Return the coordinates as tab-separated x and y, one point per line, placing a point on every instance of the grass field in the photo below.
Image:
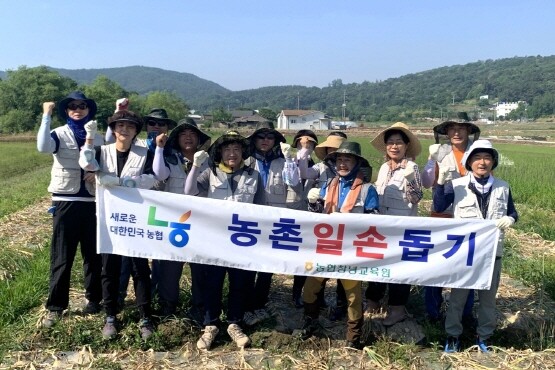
24	176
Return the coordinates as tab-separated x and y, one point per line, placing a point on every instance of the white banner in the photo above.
396	249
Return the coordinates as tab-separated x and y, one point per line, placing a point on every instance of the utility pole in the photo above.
344	106
298	100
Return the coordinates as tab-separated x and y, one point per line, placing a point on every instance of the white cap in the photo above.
477	146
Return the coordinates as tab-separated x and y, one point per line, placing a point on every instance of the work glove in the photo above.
409	173
504	222
313	195
434	151
199	158
107	180
87	160
90	129
141	182
444	175
286	150
121	104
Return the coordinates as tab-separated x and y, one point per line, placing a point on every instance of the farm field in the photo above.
525	338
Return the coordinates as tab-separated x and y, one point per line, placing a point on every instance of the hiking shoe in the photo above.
91	308
51	318
236	333
310	326
205	341
482	346
251	318
452	345
354	344
109	330
146	328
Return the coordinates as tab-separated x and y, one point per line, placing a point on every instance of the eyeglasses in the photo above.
400	143
157	123
267	136
81	106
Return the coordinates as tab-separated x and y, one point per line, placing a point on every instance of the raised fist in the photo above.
90	129
199	158
434	150
121	104
48	107
285	149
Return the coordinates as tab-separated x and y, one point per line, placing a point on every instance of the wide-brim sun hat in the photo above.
351	148
266	128
184	124
76	95
160	114
232	136
413	147
333	141
477	147
460	119
308	133
126	116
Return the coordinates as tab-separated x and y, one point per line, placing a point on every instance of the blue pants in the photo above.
434	299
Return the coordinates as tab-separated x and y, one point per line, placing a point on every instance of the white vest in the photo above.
220	188
446	158
65	177
466	203
133	167
393	198
176	181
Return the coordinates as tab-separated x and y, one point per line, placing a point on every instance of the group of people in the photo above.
260	169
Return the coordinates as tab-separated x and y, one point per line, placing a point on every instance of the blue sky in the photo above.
249	44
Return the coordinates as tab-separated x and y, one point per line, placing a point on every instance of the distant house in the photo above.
241	113
248	121
298	119
502	109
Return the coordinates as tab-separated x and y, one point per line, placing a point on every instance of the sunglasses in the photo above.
267	136
157	123
81	106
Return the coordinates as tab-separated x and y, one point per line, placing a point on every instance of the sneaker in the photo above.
146	328
109	330
91	308
452	345
205	341
482	346
251	318
51	318
310	326
354	344
236	333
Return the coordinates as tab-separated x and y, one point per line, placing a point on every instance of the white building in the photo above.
298	119
502	109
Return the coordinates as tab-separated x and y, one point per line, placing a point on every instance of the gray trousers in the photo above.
487	317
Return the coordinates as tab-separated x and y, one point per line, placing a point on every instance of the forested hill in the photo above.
530	79
147	79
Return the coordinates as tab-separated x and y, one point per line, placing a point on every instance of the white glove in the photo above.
504	222
144	181
199	158
313	195
121	104
87	160
107	180
90	129
286	150
409	173
444	175
434	151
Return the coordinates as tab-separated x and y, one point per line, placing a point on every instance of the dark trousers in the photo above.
168	277
398	293
124	277
259	284
434	299
213	294
198	280
111	272
74	223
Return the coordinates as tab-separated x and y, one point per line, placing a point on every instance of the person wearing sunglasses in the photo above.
271	157
73	204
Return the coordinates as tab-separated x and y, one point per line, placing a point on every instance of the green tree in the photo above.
221	115
268	114
24	91
176	107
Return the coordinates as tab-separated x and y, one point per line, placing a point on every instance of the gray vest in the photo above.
466	203
276	189
220	188
176	181
393	198
65	177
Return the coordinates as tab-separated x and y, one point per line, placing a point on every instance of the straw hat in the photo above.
413	147
332	141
